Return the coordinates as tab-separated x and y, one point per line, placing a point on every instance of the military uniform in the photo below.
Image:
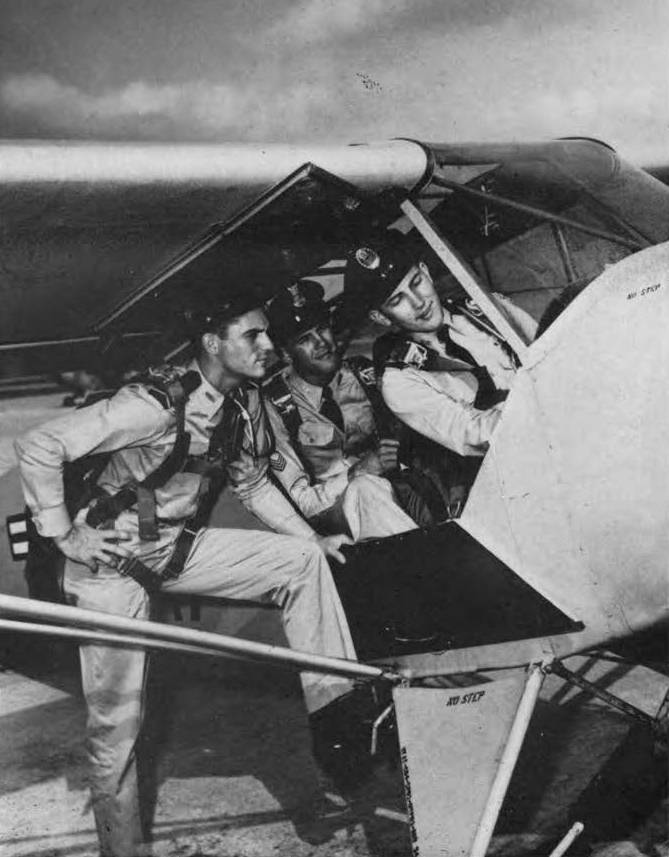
314	468
441	394
139	430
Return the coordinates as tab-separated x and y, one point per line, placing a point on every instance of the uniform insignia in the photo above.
416	355
169	385
368	258
367	375
161	396
296	295
277	461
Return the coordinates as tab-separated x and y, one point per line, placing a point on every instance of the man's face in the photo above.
245	349
314	354
414	305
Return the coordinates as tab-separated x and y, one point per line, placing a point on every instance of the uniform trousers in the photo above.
367	510
290	572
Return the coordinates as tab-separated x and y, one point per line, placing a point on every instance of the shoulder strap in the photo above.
363	369
395	350
281	397
171	387
387	424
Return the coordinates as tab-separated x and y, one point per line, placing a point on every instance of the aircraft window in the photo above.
528	232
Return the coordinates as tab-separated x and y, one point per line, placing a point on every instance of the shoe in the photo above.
318	823
341	738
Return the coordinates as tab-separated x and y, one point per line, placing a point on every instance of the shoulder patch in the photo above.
169	385
277	461
364	369
161	396
394	351
415	355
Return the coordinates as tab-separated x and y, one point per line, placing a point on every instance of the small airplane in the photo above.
562	544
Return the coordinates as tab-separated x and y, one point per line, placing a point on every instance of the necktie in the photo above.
453	349
331	410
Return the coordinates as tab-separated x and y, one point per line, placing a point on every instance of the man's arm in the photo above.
130	418
288	470
436	415
250	481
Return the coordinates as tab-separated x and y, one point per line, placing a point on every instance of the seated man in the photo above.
165	455
442	372
332	453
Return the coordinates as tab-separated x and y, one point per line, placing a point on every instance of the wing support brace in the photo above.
521	721
657	724
466	277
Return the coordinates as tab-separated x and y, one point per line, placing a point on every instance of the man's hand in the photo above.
330	546
381	460
457	494
89	546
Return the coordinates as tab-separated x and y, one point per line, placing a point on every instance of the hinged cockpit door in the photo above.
298	225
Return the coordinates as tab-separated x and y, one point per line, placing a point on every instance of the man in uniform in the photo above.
146	531
443	371
332	452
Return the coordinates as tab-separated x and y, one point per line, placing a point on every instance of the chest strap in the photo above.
279	394
106	508
224	447
394	350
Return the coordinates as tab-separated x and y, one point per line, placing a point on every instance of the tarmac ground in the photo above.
227	768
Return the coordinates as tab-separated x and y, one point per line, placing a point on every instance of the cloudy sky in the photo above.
249	70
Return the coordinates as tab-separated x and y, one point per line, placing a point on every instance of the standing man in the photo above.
332	452
444	372
145	530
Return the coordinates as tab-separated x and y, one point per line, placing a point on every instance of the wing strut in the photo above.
466	277
508	761
108	627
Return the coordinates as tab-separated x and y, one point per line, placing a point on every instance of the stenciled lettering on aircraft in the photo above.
465	699
407	793
647	290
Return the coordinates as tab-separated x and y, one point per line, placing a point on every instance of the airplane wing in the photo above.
90	227
85	225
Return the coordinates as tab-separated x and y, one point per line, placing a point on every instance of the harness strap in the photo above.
108	508
135	568
224	445
387	425
281	397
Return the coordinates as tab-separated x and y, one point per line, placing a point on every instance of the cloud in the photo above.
324	20
198	110
372	69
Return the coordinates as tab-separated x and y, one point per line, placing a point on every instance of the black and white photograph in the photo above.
334	493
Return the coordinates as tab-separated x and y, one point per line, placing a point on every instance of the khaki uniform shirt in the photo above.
440	404
140	432
317	477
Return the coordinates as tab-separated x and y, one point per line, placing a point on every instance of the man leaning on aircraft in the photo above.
164	446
